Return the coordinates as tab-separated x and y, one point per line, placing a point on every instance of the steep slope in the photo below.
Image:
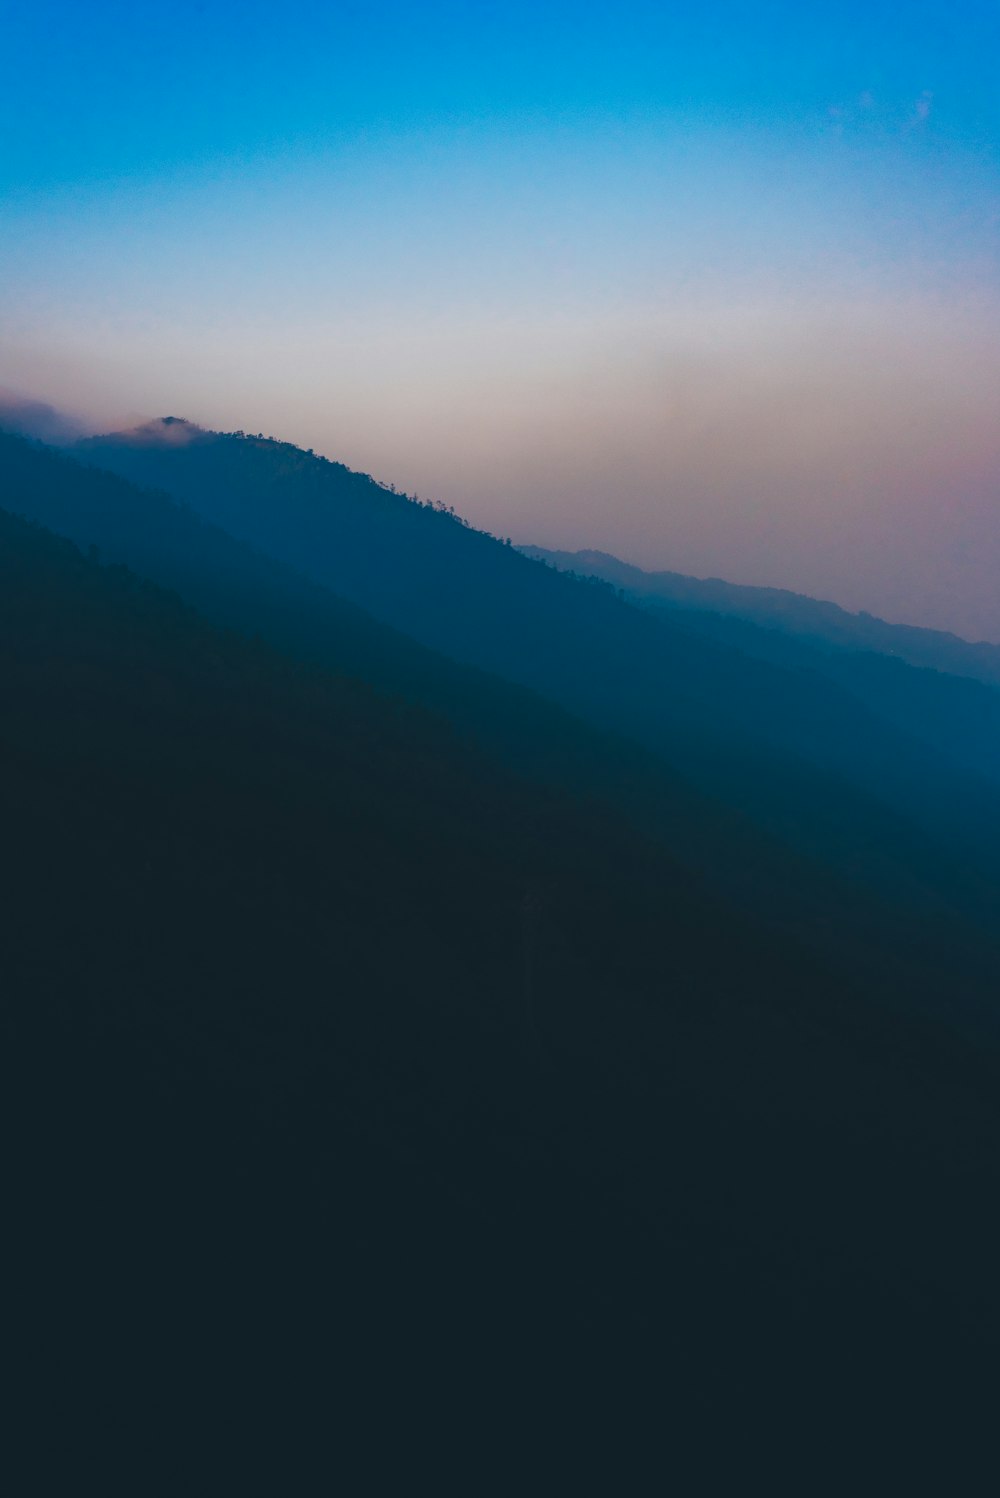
789	749
327	1033
795	614
241	588
119	697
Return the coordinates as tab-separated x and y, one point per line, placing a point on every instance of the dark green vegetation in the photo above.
370	1018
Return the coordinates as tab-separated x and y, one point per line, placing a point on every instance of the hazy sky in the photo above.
712	287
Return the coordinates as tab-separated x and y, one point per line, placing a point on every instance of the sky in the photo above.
713	288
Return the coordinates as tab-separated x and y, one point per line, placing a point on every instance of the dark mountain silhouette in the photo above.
795	614
928	903
328	1037
788	748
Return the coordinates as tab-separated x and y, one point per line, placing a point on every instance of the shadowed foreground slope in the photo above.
335	1052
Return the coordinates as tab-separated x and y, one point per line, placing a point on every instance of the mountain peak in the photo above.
163	431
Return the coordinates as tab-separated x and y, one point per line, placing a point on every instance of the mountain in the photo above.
952	714
240	588
780	610
801	756
926	911
328	1038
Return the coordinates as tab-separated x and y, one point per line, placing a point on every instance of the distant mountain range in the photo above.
933	687
810	619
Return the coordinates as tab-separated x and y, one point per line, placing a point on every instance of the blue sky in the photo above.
100	89
714	287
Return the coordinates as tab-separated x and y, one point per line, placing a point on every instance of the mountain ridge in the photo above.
785	608
723	719
240	588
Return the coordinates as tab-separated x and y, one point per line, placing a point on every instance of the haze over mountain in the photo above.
950	703
791	613
27	417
